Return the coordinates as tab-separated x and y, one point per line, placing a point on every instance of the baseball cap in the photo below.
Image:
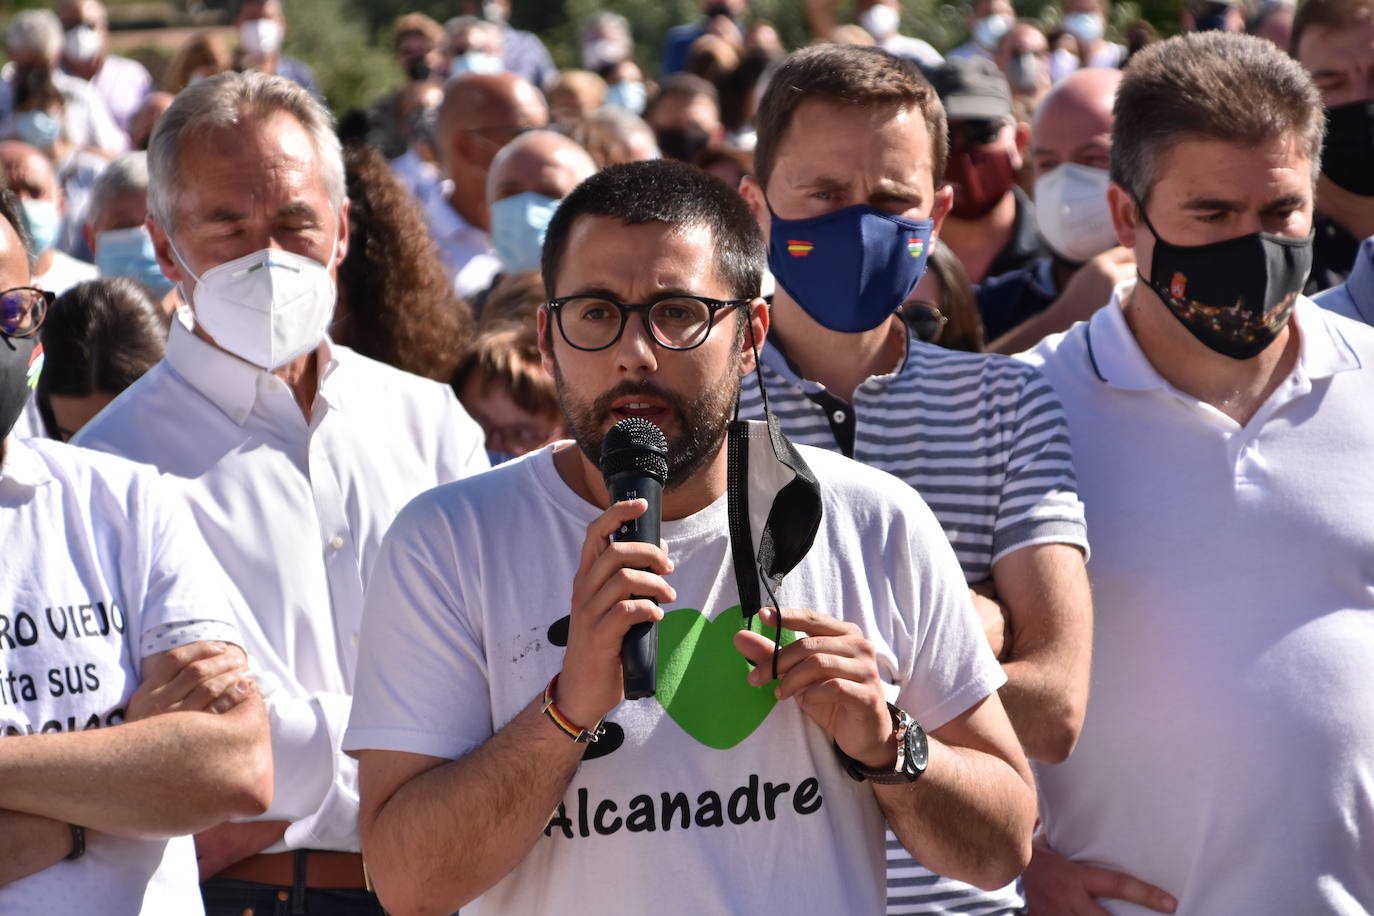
971	89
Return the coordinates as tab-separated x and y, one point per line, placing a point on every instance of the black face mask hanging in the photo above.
1234	296
793	515
1348	150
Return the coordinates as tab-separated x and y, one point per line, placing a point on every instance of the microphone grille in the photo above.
637	446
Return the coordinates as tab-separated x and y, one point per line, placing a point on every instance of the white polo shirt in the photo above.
100	570
295	513
1228	750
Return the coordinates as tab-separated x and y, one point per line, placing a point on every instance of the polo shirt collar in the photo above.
1360	284
1116	357
1323	350
230	383
1118	360
775	360
22	466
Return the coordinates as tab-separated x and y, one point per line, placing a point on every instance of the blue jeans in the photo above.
228	897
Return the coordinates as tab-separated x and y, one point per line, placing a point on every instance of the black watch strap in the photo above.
912	754
78	842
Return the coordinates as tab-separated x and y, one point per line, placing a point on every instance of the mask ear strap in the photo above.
1146	217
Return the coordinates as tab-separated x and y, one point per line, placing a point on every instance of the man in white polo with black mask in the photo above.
1223	434
295	453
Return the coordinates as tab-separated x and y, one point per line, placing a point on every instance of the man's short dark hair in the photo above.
686	85
1187	88
1329	14
863	77
665	191
100	337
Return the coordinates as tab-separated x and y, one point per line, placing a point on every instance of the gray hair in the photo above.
39	31
606	18
225	102
1186	89
127	174
459	23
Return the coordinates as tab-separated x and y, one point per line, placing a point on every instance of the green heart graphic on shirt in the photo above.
702	677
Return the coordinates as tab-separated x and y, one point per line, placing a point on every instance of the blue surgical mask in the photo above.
850	269
988	30
475	62
43	222
629	95
38	128
518	224
129	253
1083	26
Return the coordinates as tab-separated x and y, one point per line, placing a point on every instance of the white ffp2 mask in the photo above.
1072	212
268	307
880	21
261	37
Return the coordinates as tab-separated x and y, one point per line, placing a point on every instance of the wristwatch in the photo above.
912	754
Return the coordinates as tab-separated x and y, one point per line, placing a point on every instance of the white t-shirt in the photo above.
1227	755
710	797
100	571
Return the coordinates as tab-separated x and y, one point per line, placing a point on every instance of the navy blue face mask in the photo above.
850	269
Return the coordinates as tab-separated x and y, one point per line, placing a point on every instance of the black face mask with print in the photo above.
1234	296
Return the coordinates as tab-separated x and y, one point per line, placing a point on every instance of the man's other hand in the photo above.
1056	886
832	671
197	677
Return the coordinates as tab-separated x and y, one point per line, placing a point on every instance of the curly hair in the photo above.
396	302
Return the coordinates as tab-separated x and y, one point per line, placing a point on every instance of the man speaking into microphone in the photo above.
501	767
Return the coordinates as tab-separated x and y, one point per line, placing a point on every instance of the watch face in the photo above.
916	750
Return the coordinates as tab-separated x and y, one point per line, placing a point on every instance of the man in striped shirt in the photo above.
851	151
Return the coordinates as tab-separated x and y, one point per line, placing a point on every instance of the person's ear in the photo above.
341	243
944	202
162	247
544	331
752	192
759	319
1124	214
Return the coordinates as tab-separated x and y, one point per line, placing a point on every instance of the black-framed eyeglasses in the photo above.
674	322
22	310
924	319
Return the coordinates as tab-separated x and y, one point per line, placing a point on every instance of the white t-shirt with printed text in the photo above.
710	797
100	571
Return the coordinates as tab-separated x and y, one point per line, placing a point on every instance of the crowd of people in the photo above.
990	581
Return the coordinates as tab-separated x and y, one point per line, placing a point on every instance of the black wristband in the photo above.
78	842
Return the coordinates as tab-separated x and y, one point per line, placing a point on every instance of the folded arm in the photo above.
164	775
1043	592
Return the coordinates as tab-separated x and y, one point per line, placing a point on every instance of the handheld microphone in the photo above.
634	460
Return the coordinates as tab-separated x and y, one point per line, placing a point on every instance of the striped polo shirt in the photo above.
984	441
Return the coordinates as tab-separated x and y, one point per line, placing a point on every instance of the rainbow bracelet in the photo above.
580	735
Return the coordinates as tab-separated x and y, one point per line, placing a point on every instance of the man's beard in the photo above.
701	421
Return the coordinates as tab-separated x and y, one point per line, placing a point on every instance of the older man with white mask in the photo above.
295	453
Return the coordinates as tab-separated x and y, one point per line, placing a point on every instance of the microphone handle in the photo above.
639	653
